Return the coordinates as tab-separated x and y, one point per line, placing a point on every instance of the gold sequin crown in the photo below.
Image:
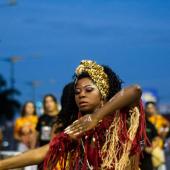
97	74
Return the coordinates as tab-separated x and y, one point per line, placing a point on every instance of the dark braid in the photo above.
69	109
115	83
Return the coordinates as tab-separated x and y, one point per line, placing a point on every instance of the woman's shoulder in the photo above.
19	119
19	122
33	118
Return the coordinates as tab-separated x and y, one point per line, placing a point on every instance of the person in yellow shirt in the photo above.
162	126
24	126
160	122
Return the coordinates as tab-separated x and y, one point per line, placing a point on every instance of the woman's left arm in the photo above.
127	97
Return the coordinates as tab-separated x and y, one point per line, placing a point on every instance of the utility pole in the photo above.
34	84
12	61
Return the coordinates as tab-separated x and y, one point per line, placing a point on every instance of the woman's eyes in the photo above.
87	89
77	91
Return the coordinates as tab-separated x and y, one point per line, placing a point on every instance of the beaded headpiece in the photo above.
97	74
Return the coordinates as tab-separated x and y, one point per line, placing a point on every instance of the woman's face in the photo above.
87	96
151	109
29	109
50	105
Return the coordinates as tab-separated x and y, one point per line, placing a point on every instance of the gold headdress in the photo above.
97	74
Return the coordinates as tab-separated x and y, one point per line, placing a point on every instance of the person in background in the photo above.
68	112
66	116
45	121
146	157
160	122
155	151
24	126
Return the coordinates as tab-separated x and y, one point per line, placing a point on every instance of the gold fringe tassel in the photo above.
116	155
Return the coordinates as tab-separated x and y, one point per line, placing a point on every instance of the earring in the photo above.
102	103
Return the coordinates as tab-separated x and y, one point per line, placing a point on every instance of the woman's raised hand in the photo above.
82	125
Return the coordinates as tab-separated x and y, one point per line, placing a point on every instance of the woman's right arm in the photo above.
31	157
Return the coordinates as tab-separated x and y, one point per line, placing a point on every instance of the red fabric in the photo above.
59	148
141	133
61	145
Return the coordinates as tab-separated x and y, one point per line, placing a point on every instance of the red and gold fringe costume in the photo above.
113	145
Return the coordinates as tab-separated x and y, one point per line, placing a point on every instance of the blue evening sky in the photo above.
52	36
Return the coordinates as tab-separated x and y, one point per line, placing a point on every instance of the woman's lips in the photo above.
81	104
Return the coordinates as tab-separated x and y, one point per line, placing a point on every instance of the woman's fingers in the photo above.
75	129
78	129
75	125
79	126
